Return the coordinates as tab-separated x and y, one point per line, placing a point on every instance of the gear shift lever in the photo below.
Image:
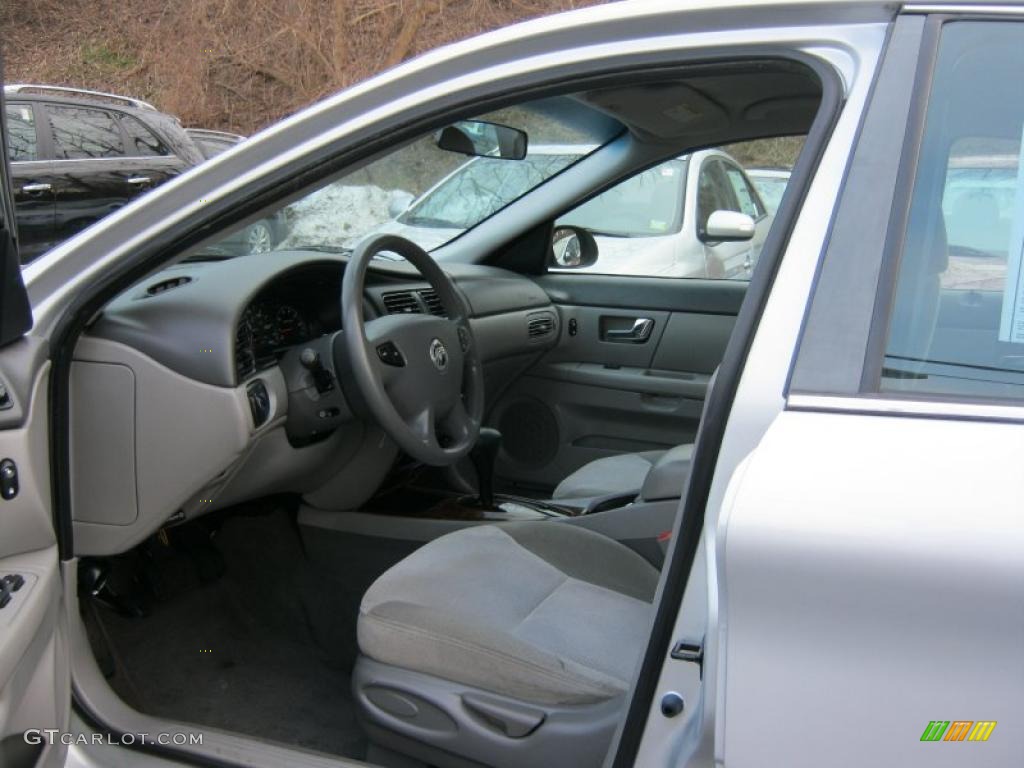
483	456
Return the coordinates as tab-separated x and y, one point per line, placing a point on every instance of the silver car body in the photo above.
860	570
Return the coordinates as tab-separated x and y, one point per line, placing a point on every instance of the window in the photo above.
771	186
211	147
430	195
82	132
957	325
483	186
746	196
652	224
141	141
714	193
649	204
21	133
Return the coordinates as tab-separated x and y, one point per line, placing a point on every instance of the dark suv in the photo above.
78	155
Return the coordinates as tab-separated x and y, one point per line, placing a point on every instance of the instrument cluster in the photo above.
268	327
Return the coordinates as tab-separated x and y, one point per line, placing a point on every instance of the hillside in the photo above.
239	65
236	65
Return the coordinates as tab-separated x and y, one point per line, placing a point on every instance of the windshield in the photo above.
424	193
482	187
646	205
771	189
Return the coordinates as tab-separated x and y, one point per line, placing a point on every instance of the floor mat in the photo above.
241	653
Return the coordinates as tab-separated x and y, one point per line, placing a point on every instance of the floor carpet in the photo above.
265	649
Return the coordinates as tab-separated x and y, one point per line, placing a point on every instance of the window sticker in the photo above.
1011	322
658	226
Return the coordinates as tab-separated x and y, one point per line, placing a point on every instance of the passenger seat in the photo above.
649	476
627	475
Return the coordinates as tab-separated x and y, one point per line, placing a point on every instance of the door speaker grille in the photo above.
530	432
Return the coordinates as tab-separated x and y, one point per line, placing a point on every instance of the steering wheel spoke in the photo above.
422	425
457	425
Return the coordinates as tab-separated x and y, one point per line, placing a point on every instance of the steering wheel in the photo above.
418	375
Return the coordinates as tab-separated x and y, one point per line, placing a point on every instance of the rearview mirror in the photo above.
480	139
728	226
572	248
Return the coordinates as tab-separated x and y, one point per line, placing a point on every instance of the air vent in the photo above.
166	285
245	358
433	302
401	302
540	325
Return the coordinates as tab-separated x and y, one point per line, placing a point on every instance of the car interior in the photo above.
411	507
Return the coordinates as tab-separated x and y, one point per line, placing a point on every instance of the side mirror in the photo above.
572	248
399	202
728	226
479	139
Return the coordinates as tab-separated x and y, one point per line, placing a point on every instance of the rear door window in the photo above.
85	132
22	139
746	196
714	193
141	141
957	324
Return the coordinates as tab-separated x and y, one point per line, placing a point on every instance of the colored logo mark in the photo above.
958	730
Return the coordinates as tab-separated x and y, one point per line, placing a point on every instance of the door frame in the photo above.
688	532
277	182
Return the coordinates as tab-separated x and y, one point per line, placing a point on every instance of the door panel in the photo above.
88	190
31	178
872	574
35	207
603	390
34	675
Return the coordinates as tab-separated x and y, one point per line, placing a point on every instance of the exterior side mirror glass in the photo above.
728	226
572	248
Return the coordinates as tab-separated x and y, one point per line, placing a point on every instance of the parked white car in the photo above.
653	223
771	184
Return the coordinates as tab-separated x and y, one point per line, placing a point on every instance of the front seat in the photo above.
651	475
507	645
621	475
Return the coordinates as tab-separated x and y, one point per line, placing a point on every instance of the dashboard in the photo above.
199	371
223	322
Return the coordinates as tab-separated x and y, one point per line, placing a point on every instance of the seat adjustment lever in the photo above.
512	720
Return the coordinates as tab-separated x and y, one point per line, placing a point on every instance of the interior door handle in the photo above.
33	188
638	334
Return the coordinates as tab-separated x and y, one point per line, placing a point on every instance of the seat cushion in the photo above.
668	476
623	474
544	612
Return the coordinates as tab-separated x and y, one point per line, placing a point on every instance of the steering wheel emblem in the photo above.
439	355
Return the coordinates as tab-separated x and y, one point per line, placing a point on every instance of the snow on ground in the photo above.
337	215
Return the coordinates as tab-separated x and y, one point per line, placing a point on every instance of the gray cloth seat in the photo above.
663	472
542	612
